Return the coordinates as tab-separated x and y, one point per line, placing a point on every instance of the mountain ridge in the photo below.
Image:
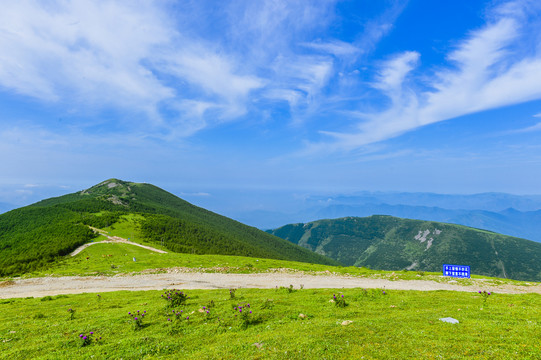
36	235
509	221
389	243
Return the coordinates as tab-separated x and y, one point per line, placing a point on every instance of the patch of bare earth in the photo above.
113	239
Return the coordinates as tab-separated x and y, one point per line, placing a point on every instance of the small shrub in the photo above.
373	293
137	319
268	304
176	321
87	339
206	312
244	314
485	296
232	293
72	313
175	298
288	289
339	301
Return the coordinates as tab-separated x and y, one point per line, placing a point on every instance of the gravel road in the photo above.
39	287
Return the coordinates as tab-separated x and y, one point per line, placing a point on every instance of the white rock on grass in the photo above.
449	320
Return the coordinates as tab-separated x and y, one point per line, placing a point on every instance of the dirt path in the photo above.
39	287
113	239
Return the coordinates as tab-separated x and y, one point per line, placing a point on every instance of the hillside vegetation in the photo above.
34	236
389	243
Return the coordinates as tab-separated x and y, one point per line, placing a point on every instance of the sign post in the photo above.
460	271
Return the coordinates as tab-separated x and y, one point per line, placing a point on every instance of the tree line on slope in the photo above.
34	236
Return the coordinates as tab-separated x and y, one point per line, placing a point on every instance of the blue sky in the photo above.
251	97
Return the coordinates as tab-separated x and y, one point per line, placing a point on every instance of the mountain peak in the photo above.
113	190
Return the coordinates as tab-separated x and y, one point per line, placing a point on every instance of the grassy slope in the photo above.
384	242
34	236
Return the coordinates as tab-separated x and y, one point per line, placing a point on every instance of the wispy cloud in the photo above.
529	129
136	58
87	52
211	64
335	47
485	71
126	55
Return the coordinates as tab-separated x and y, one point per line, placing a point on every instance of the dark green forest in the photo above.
32	237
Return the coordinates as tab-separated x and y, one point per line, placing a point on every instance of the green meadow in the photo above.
284	323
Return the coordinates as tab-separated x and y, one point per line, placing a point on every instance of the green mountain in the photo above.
390	243
35	235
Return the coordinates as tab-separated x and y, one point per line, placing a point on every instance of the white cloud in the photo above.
335	47
300	79
214	74
486	71
291	96
391	77
89	52
280	40
128	55
533	128
185	66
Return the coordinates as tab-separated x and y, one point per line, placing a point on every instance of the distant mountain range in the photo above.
34	236
503	213
390	243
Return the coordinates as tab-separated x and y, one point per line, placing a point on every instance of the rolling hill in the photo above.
34	236
390	243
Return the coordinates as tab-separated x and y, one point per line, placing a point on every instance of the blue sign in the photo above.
461	271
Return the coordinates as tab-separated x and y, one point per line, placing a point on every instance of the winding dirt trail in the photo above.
38	287
112	239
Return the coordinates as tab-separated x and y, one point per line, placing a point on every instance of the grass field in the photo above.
373	325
